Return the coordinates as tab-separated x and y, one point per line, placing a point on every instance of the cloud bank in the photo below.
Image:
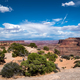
38	31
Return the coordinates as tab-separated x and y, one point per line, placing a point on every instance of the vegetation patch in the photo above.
51	56
77	57
10	69
37	64
33	45
65	57
18	50
2	55
46	48
40	52
56	51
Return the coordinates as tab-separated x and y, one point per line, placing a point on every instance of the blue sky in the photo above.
39	19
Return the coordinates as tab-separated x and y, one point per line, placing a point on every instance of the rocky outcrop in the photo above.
69	46
4	43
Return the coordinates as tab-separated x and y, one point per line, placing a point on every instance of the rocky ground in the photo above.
68	74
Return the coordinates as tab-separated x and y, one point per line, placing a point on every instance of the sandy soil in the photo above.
66	63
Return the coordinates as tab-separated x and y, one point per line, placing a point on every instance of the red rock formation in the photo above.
69	46
4	43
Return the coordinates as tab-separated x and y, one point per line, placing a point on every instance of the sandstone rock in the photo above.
69	46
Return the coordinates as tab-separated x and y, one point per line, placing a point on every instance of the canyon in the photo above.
69	46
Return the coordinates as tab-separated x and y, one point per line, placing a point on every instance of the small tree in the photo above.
4	50
40	52
46	48
2	47
51	56
2	55
37	64
10	69
18	50
56	51
33	45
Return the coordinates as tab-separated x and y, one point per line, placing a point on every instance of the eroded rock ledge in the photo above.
69	46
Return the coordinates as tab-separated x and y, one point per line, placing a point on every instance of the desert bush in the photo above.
77	63
38	49
46	48
10	69
40	52
2	55
56	51
33	45
18	50
37	64
2	47
71	55
51	56
4	50
77	57
66	57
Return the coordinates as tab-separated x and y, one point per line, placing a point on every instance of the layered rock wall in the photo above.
69	46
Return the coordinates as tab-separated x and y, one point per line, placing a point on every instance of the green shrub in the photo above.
2	47
51	56
56	51
66	57
37	64
78	61
10	69
46	48
40	52
77	57
77	64
72	55
2	55
14	55
33	45
4	51
18	50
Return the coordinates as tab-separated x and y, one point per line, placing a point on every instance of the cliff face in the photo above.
69	46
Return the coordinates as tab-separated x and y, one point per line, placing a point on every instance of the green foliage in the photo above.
14	55
33	45
18	50
77	64
78	61
77	57
37	64
66	57
46	48
56	51
10	69
40	52
2	55
2	47
72	55
51	56
4	50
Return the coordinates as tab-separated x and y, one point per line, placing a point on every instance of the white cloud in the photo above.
71	3
4	9
58	19
30	30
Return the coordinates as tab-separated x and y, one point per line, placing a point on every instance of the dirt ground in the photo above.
68	64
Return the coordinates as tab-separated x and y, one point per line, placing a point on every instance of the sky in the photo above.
39	19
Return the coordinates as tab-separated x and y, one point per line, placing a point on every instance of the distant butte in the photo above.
69	46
